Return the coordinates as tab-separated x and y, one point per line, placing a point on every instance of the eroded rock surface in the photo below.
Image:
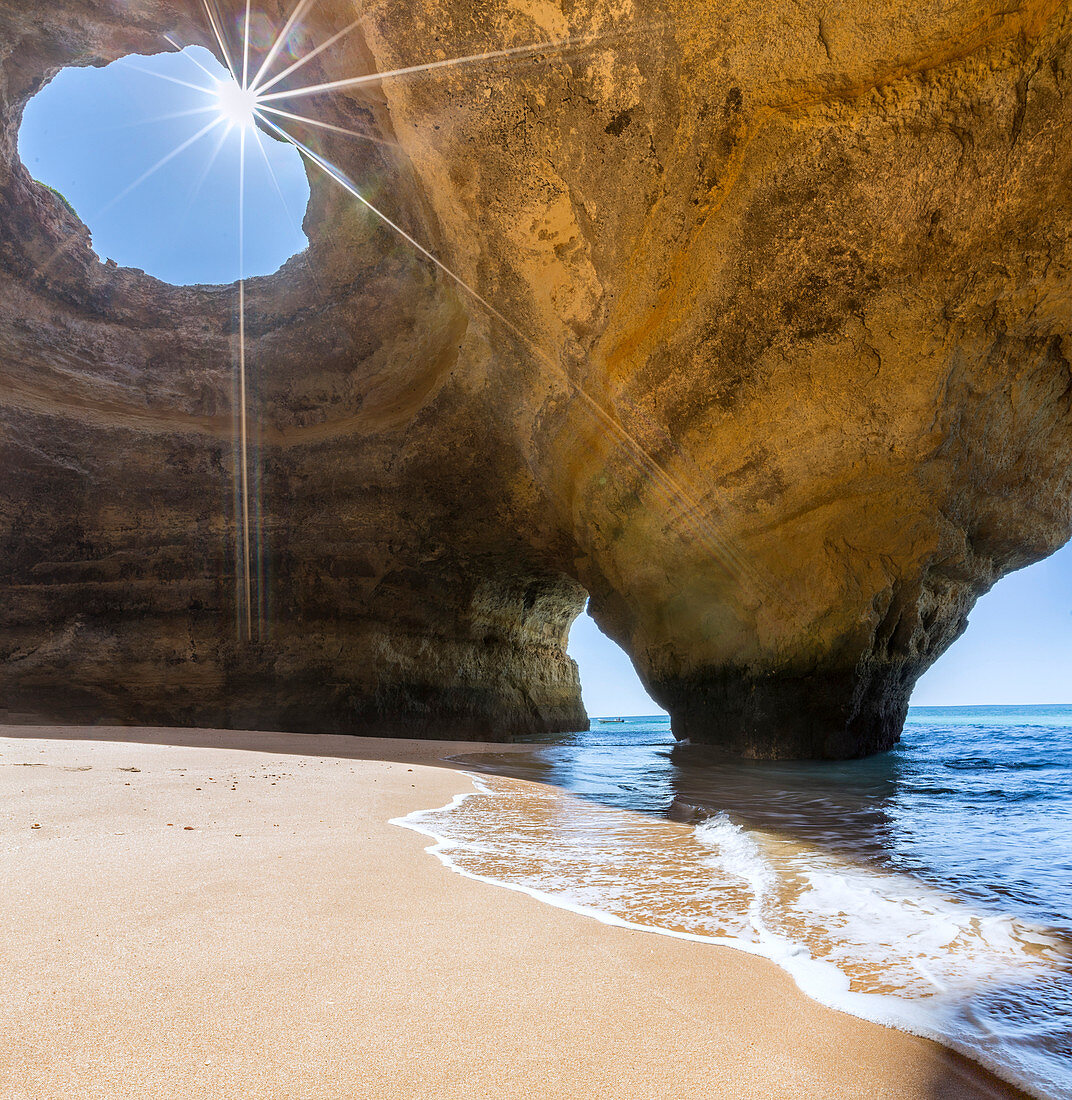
765	346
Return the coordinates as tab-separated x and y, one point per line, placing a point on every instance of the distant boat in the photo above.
610	719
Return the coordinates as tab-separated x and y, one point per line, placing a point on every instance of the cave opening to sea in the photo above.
610	685
151	154
1014	652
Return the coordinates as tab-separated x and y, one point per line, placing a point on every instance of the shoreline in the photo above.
811	976
216	913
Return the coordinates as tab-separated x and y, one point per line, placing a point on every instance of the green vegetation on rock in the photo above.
59	195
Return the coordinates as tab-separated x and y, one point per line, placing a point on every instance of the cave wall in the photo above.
763	343
387	595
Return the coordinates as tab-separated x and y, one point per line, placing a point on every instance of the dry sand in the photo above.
223	915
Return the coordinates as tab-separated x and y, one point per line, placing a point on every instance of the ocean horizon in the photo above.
914	709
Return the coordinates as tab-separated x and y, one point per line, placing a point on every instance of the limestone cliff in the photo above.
765	347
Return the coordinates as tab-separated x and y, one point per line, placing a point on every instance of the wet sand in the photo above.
216	914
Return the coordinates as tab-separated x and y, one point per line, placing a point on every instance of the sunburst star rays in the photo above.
166	159
254	97
511	53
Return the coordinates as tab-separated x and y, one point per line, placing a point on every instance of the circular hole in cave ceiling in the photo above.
95	136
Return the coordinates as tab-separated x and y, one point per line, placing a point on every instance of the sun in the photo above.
237	105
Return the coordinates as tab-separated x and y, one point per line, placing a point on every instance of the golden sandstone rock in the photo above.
776	369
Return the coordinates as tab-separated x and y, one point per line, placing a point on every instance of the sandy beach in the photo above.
193	913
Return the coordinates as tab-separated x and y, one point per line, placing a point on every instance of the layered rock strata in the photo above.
759	337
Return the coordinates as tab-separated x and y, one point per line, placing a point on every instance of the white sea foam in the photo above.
880	945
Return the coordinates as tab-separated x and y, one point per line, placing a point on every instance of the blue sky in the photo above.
93	132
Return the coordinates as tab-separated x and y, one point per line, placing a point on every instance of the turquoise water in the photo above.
929	887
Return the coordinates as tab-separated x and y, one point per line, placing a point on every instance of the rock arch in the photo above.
778	372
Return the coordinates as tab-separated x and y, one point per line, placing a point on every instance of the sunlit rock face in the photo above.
764	346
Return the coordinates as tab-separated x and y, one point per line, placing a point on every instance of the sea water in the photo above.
929	888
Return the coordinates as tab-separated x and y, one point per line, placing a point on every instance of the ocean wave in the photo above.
970	764
880	944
